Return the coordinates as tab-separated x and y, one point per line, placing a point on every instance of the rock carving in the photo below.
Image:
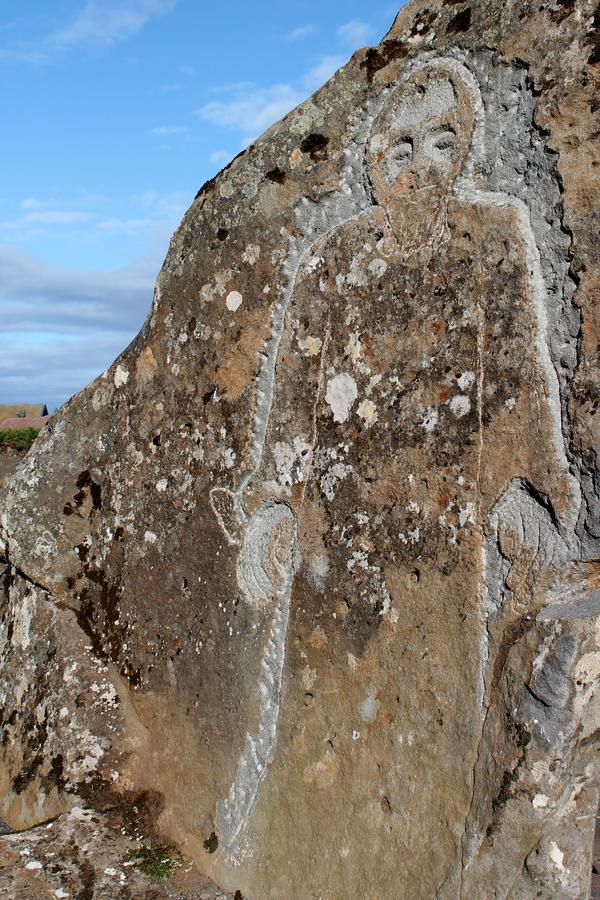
309	577
420	166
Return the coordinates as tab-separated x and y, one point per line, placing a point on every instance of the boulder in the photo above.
310	574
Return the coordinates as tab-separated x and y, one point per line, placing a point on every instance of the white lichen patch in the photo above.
121	377
84	753
251	254
22	621
412	537
318	569
430	419
229	458
292	461
341	394
233	301
295	158
100	397
378	267
45	545
354	348
367	411
540	801
329	480
217	287
162	485
312	263
150	537
587	678
357	276
310	346
465	380
460	405
466	514
370	705
106	693
556	855
374	380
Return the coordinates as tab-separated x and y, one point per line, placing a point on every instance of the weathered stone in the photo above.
311	572
81	854
9	460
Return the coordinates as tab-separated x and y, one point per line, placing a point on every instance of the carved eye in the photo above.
403	149
440	147
444	142
399	157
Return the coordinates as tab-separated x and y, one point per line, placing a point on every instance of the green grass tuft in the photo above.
18	438
159	862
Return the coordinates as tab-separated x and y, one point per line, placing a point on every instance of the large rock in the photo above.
310	572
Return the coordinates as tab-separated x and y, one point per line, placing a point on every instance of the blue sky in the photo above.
114	113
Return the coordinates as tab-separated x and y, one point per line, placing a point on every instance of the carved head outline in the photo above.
423	134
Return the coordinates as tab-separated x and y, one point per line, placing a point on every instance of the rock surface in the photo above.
9	460
310	574
82	855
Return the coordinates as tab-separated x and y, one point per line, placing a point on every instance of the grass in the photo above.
18	438
159	862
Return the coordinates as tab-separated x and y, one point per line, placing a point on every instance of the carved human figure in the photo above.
412	343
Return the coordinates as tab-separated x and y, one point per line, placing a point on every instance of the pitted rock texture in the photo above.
9	460
82	855
311	572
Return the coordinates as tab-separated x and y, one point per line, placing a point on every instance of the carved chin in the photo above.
417	192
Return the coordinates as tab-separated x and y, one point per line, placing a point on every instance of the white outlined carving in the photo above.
267	538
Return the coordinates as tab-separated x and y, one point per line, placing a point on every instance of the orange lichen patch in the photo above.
592	567
145	366
318	639
239	369
444	496
367	342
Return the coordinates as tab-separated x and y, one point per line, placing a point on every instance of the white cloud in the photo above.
253	111
322	72
61	327
298	34
37	296
104	23
157	213
56	217
31	203
355	33
56	368
126	226
35	219
168	130
163	214
167	206
108	23
220	157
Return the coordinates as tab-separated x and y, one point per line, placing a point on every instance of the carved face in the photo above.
421	139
